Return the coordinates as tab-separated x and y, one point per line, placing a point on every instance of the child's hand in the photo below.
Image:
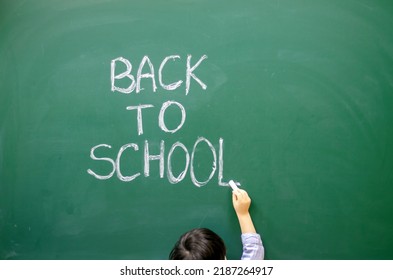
241	201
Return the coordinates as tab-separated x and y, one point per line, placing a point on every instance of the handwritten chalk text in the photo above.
135	83
125	82
164	160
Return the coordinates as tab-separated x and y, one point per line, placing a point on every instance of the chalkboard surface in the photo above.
121	123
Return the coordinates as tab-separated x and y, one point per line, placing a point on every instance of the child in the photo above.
204	244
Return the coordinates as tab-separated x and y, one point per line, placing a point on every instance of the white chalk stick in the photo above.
232	184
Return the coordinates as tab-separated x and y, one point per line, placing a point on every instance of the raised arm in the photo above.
252	243
241	204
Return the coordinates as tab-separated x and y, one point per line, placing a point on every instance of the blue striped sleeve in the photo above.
252	247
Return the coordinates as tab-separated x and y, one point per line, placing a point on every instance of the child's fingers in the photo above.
241	193
244	194
235	196
240	196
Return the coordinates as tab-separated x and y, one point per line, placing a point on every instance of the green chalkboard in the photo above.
122	121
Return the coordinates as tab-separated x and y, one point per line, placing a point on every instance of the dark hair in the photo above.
199	244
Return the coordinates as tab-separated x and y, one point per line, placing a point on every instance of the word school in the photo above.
189	163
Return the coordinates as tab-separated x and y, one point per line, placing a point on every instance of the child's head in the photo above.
199	244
